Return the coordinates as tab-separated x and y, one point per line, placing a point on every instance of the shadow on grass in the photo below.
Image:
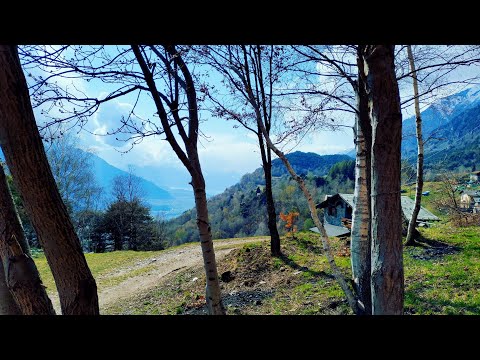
423	305
291	263
307	245
431	249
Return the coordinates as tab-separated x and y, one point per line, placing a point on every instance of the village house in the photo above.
470	201
475	176
339	209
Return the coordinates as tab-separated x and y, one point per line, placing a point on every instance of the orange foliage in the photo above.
290	220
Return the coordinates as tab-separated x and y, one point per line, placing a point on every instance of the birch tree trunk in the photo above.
25	156
418	122
19	270
386	118
360	243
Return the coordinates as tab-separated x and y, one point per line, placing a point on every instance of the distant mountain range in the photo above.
105	173
168	202
240	210
303	163
451	129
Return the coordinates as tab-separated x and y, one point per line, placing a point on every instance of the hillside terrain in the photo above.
441	277
451	128
241	209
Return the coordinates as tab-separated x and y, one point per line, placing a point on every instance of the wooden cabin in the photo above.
339	209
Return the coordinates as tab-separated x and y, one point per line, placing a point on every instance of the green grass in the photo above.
301	279
100	265
448	284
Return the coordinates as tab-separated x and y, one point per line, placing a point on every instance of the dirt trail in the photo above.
159	265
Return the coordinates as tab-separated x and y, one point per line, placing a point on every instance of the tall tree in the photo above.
352	300
336	66
248	107
360	243
387	283
19	271
25	156
159	72
182	77
73	171
418	122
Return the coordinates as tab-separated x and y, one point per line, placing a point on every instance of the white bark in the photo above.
360	239
418	122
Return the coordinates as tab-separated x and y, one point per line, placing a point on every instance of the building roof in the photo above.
407	207
470	192
332	230
423	215
348	198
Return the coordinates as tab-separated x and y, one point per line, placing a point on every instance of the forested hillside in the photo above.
451	128
241	209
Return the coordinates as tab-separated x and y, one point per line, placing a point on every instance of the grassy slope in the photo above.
300	282
103	266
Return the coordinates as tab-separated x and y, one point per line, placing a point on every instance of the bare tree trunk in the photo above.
214	298
360	243
19	271
386	117
192	164
419	189
352	301
272	215
8	306
26	159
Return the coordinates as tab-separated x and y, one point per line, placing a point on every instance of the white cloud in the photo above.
230	153
328	142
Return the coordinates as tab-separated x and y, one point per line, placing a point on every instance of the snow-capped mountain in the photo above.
451	129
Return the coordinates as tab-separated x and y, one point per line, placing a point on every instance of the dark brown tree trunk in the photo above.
386	118
418	121
27	161
272	215
21	274
360	243
8	306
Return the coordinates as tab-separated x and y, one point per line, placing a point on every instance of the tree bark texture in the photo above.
386	118
360	243
271	213
21	274
418	122
213	293
27	161
8	306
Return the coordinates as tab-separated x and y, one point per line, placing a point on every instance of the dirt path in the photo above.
153	269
